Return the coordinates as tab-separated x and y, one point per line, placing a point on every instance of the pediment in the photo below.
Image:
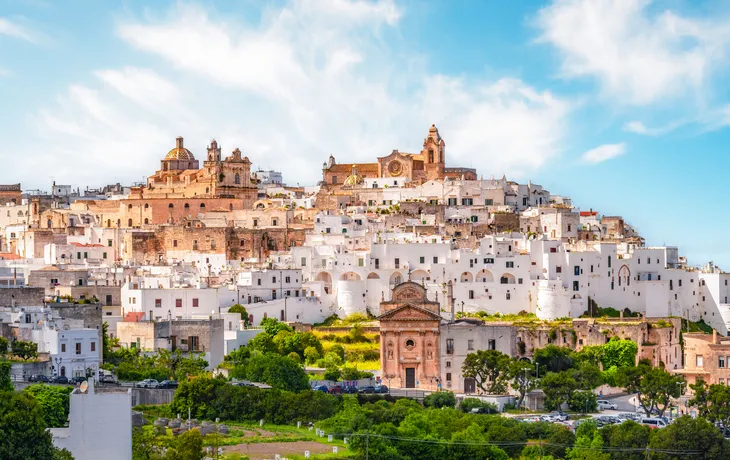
409	313
409	292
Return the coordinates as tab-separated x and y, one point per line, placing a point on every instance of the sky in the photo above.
621	105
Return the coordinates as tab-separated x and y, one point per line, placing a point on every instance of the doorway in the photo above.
469	385
410	377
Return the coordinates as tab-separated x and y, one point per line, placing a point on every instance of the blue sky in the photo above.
621	105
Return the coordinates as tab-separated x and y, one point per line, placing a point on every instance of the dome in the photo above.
353	179
179	152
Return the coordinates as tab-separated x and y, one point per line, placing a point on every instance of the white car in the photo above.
603	405
147	383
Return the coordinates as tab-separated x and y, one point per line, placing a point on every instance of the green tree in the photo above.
587	376
558	387
24	435
54	402
698	437
583	401
522	378
4	347
467	405
554	359
700	390
440	399
628	435
238	308
187	446
337	350
332	373
654	386
6	382
273	326
25	350
311	355
276	370
489	369
144	444
619	353
718	410
588	448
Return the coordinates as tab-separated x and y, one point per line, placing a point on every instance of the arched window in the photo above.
171	206
129	207
187	206
230	207
50	224
410	343
146	205
430	155
202	205
129	223
237	179
146	221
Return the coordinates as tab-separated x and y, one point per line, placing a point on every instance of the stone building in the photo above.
409	338
10	194
706	356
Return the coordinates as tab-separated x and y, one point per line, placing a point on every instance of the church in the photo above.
427	165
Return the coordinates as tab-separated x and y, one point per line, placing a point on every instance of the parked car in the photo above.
322	388
76	380
107	378
653	422
367	389
559	416
382	389
39	378
603	405
60	379
167	384
335	390
147	383
350	390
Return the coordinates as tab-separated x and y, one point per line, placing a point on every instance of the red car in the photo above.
335	390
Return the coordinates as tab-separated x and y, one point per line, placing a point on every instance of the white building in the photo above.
100	425
77	353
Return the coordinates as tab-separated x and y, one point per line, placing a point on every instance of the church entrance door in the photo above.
410	377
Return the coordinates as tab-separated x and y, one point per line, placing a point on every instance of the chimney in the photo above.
450	300
179	142
714	336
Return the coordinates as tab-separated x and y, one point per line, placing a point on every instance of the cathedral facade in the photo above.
427	165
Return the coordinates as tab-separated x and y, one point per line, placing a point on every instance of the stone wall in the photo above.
505	221
21	296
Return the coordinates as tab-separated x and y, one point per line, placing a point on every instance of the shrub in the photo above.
440	399
311	355
583	401
468	404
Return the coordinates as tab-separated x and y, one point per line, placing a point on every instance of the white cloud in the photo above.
311	79
604	152
639	57
637	127
14	30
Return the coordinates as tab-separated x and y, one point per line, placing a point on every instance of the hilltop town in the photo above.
431	263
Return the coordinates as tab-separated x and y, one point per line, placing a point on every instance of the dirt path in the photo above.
265	451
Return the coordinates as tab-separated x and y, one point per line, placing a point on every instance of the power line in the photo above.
368	435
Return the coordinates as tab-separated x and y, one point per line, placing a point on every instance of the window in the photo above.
508	296
212	244
104	255
576	270
679	283
470	344
195	245
489	202
255	222
422	260
196	303
287	279
609	261
575	285
509	264
258	282
93	346
519	280
721	362
471	295
158	303
489	260
648	260
303	262
109	243
569	227
448	363
273	279
397	262
492	344
449	346
448	376
78	348
435	260
178	303
698	361
410	343
63	348
558	269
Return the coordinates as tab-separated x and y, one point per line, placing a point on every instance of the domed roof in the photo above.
179	152
353	179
